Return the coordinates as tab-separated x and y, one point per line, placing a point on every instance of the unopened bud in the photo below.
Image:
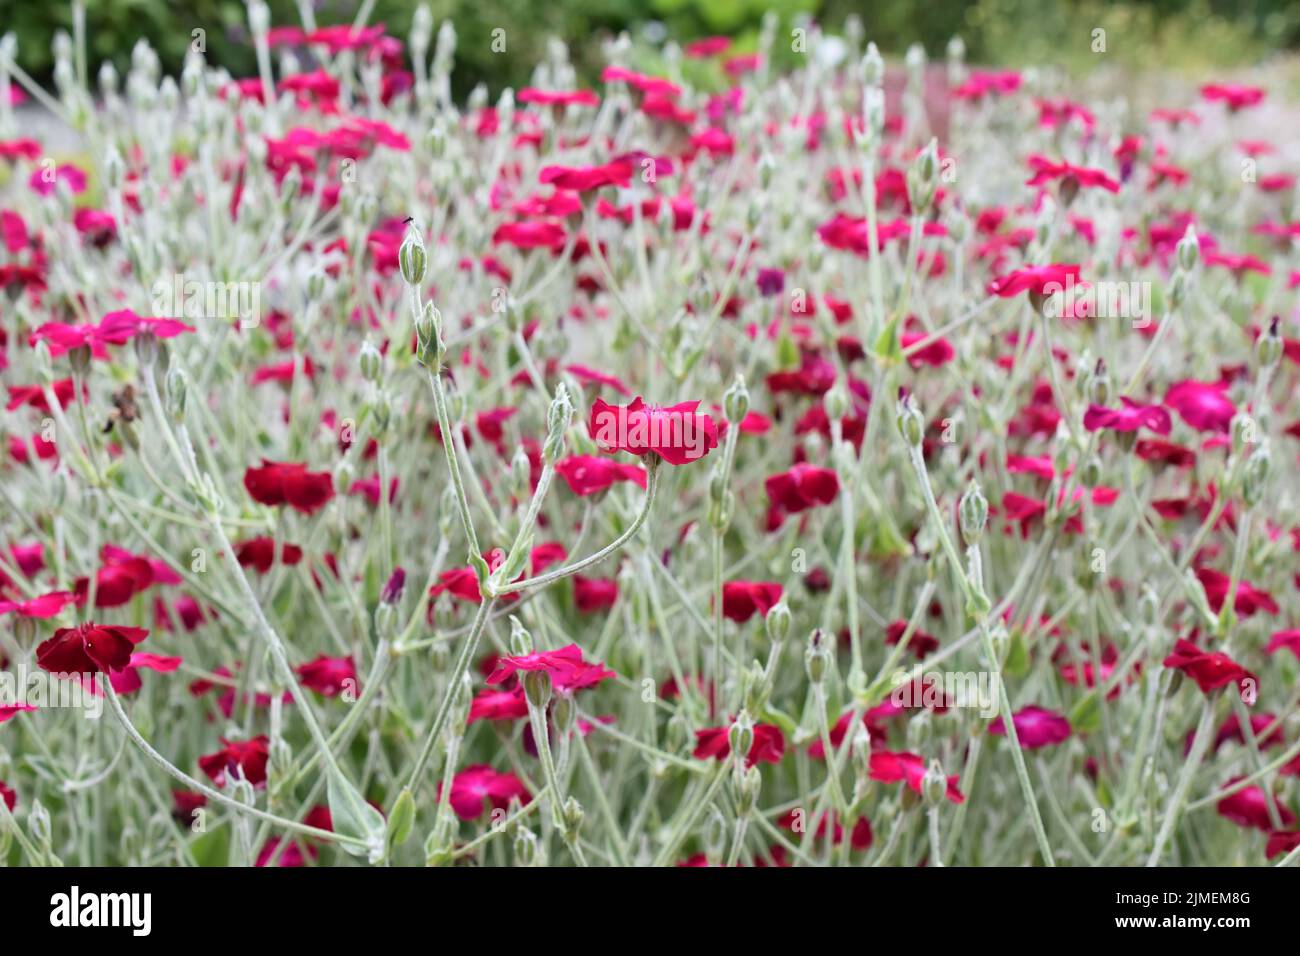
735	402
1189	250
412	257
740	736
1268	350
778	622
973	513
934	784
369	361
911	425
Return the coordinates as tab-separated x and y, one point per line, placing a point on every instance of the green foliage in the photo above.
1171	33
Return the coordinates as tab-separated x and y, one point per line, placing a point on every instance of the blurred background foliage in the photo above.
1167	34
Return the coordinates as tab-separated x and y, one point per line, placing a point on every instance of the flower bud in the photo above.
910	423
572	815
1189	250
1178	288
973	513
817	656
537	688
369	361
428	337
393	588
740	736
836	402
777	622
176	391
558	417
934	785
521	642
525	847
1099	387
1090	472
873	66
748	790
1254	482
412	257
735	401
1268	350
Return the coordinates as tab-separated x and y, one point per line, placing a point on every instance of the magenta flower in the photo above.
1203	405
1128	418
1035	727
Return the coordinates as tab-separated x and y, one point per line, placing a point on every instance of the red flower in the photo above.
887	766
8	796
1280	842
569	672
1035	727
586	178
594	594
10	711
920	643
709	46
1210	669
1038	280
115	328
498	705
1071	176
1249	600
677	434
587	474
1236	97
278	483
1288	639
329	676
1248	807
89	648
715	743
42	607
475	785
1128	418
531	234
804	486
127	680
741	600
530	94
1203	405
248	756
259	553
585	374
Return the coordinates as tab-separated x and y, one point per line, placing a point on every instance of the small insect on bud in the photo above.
1189	250
740	736
1254	482
817	656
735	401
369	361
911	425
934	785
412	257
1268	349
973	513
